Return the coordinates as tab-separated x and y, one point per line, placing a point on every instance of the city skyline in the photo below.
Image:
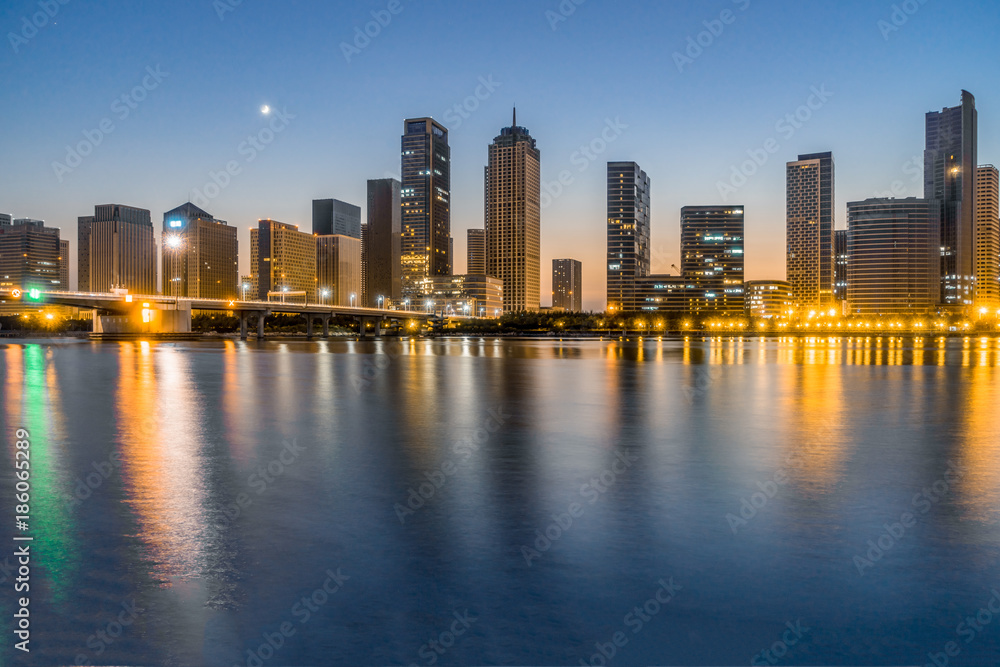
688	147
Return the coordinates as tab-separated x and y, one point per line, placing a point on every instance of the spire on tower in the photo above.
515	116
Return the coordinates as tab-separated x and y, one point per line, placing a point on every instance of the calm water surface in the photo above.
513	502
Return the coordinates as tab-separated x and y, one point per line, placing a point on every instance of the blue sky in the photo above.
688	125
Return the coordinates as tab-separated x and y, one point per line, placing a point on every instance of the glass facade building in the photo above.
199	255
426	203
712	243
628	234
116	248
381	268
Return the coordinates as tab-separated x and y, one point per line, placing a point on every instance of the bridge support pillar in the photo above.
243	325
378	327
326	326
261	316
309	326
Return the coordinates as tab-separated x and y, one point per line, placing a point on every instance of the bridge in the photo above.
122	313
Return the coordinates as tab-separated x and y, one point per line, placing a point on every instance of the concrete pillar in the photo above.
309	325
261	316
326	326
243	325
378	327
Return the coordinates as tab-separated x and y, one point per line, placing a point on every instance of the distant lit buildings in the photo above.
513	217
116	248
987	237
628	234
381	260
769	299
332	216
949	178
567	285
64	266
200	255
31	256
840	267
475	252
809	229
712	243
666	294
472	295
282	259
338	270
426	203
893	248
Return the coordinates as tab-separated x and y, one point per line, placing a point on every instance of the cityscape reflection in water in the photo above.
540	489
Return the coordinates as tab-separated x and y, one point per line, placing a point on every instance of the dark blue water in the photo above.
457	502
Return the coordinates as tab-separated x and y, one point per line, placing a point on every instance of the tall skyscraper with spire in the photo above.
426	203
513	217
950	178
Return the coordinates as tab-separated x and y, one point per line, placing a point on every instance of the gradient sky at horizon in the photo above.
608	60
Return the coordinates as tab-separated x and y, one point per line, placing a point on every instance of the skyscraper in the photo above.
116	247
282	259
332	216
426	202
894	252
841	263
200	255
381	260
567	285
64	266
949	177
338	270
513	217
627	234
987	238
809	229
31	256
476	252
712	243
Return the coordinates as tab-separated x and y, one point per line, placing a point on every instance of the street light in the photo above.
246	287
381	299
173	243
324	293
353	295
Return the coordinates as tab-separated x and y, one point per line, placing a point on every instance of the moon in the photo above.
265	109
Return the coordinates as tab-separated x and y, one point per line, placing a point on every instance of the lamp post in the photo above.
353	295
324	294
246	288
381	300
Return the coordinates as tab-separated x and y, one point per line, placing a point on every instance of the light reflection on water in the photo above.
859	425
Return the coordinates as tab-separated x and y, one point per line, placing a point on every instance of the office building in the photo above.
472	295
332	216
809	229
475	253
282	260
338	270
513	217
426	203
200	255
5	219
381	252
667	294
894	256
64	266
987	238
949	178
769	299
841	263
567	285
628	233
712	242
116	248
31	256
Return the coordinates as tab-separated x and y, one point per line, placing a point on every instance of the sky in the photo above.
163	96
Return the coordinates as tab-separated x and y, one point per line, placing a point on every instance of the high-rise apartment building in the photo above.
513	217
426	203
628	234
31	256
894	256
712	244
382	247
116	247
64	266
199	255
987	238
338	270
841	264
5	219
475	253
282	259
567	285
809	229
949	177
332	216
